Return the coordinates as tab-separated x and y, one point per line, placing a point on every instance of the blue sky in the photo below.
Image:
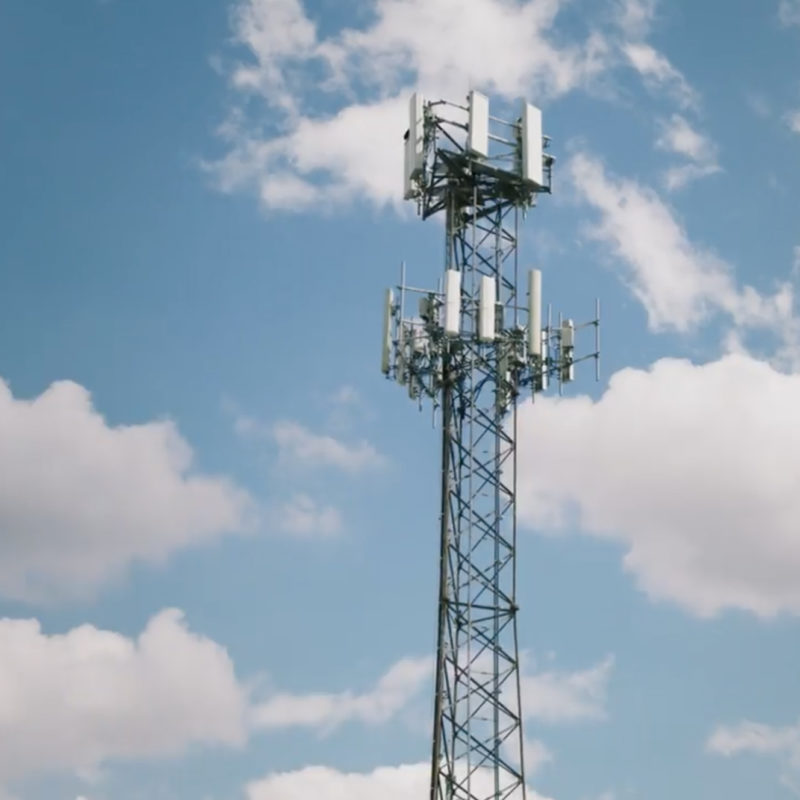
218	544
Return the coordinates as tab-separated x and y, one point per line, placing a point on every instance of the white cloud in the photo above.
679	283
754	738
323	162
693	468
789	12
81	500
362	76
305	517
567	696
72	701
680	176
793	121
659	74
548	696
347	410
275	32
327	711
346	396
338	103
300	445
405	782
679	137
402	45
518	55
635	17
324	159
536	755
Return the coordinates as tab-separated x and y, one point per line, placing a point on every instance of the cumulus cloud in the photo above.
692	467
757	738
297	512
781	743
81	500
635	17
659	74
679	283
277	33
405	782
306	518
554	696
548	696
536	755
793	121
327	711
519	54
402	44
72	701
324	158
679	137
336	103
299	445
789	12
323	161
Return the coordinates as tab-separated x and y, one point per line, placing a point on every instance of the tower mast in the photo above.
471	349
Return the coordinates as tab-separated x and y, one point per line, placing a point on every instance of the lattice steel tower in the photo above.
470	347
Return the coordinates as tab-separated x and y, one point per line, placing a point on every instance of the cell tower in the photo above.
471	346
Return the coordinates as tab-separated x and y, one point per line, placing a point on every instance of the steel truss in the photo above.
477	714
477	751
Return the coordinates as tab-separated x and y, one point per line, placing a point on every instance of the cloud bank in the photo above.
75	700
692	468
80	500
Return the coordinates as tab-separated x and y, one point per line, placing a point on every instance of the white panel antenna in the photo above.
387	332
568	334
478	138
532	163
544	378
567	350
400	372
415	145
452	302
535	313
487	305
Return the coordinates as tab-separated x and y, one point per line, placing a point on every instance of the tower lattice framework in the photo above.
477	714
474	345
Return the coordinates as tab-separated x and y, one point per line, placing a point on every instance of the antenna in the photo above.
386	348
452	302
473	349
487	310
535	313
478	131
415	145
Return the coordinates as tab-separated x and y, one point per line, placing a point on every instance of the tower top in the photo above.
464	154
